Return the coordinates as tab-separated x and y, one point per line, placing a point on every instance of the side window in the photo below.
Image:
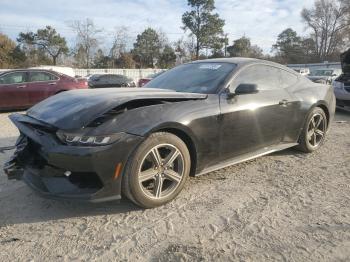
120	79
104	78
265	77
287	79
13	78
41	77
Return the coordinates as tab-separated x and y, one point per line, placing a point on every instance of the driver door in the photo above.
14	90
250	122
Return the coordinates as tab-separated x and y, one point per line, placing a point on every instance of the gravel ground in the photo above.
285	206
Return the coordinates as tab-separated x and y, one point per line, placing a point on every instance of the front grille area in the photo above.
29	155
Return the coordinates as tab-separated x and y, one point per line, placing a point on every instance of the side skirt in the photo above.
246	157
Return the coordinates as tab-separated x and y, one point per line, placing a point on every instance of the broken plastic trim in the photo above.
6	148
134	104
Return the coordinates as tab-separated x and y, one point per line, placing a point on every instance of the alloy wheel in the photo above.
316	130
161	171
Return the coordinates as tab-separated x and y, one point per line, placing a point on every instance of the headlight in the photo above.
338	85
83	140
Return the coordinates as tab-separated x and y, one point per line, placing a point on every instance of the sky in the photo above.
260	20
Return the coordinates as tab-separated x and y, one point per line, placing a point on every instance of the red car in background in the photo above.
145	80
20	89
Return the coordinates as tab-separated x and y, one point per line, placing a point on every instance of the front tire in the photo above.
314	131
157	171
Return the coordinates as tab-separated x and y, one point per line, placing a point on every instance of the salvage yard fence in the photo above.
135	74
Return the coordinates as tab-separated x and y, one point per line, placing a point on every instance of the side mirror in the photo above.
244	89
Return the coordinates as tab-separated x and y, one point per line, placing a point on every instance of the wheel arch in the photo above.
326	111
184	134
323	105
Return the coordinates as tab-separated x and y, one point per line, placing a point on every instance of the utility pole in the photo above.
226	43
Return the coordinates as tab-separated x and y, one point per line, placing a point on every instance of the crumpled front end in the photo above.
91	173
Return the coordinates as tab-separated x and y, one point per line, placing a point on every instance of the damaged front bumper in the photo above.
67	172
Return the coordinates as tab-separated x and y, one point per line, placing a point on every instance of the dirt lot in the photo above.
285	206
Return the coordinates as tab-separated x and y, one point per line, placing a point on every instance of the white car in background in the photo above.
59	69
341	85
302	71
324	75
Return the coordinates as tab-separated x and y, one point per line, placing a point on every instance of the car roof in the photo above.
99	75
32	70
243	61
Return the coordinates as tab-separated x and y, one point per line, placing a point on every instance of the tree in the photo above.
219	48
329	21
203	24
79	56
125	61
6	47
87	42
147	48
289	47
167	58
242	47
100	60
120	42
18	57
48	40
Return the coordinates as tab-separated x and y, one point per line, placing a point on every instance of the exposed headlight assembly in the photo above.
83	140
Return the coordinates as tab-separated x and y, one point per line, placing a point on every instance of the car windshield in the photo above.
204	77
323	72
95	77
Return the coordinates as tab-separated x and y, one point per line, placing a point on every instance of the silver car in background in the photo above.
324	75
341	85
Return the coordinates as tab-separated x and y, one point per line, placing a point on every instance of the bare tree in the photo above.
121	42
329	21
87	39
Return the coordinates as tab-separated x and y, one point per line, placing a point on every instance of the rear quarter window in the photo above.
41	77
287	79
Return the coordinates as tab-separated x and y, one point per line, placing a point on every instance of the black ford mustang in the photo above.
144	143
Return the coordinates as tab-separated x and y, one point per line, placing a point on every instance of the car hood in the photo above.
77	108
345	62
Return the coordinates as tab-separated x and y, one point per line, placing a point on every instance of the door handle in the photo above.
52	84
283	102
23	86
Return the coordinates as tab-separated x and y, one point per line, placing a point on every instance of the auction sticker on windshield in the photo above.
210	66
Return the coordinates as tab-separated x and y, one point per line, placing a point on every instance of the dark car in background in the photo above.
20	89
144	143
145	80
110	80
342	84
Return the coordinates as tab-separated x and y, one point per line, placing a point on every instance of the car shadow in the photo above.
289	152
25	206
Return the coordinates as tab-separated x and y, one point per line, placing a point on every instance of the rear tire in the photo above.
157	171
314	131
